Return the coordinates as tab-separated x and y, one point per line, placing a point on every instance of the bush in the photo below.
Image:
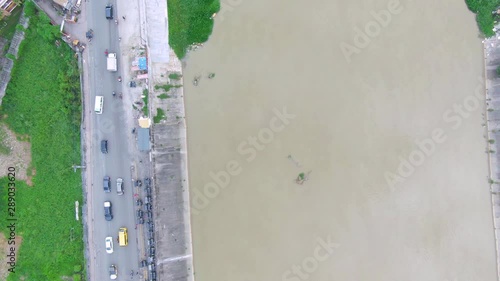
160	115
190	22
163	96
77	268
174	76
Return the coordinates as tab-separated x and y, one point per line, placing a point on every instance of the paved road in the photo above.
111	126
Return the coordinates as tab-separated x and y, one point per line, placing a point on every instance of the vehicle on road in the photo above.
104	146
108	214
112	66
123	237
113	273
109	11
109	245
147	182
119	186
106	183
99	100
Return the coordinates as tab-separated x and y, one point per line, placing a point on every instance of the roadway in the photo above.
110	125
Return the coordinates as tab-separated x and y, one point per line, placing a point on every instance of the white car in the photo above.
119	186
109	245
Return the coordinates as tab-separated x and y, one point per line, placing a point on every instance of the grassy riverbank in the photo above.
189	22
42	104
484	16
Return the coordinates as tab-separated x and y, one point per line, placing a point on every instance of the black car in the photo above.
138	202
109	12
147	182
104	146
107	184
108	214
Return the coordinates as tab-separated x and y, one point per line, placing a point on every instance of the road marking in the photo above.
174	259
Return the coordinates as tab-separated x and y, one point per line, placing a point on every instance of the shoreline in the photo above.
490	135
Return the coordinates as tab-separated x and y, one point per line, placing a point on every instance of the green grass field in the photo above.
189	23
43	102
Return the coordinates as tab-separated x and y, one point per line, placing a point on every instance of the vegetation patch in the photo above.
190	22
145	98
8	24
160	115
43	101
164	96
175	76
166	87
485	17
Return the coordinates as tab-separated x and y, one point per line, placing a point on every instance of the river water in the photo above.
378	105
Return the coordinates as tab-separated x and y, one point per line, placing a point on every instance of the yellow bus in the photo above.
123	237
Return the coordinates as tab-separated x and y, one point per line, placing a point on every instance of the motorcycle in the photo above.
114	94
119	79
106	52
116	21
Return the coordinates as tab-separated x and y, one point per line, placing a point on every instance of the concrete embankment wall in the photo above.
172	210
492	125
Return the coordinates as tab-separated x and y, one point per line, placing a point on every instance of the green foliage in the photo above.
9	24
77	277
174	76
498	70
491	141
166	87
145	99
29	9
77	268
164	96
160	115
484	17
190	23
10	56
474	5
37	104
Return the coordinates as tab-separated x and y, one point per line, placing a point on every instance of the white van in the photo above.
98	104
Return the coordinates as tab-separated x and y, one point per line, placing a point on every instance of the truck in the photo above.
112	62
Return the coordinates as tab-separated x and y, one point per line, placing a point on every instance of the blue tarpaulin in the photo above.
143	139
142	64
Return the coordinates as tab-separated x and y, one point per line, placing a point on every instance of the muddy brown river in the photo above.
339	140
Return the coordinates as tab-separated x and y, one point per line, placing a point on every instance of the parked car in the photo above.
119	186
106	184
109	245
113	273
147	182
108	215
